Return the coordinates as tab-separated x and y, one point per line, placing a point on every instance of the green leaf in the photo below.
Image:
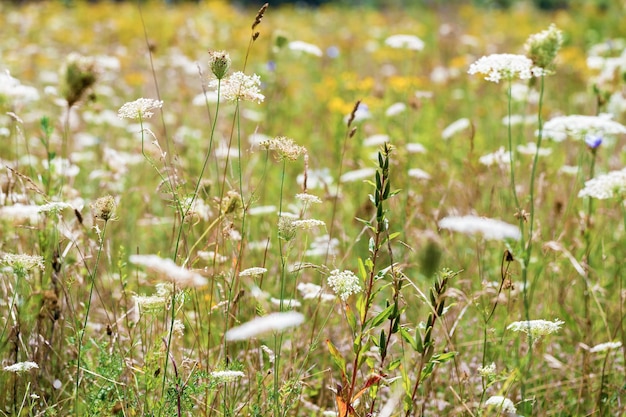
394	364
337	358
404	333
382	316
351	318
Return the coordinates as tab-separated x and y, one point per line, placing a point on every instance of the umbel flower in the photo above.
536	329
219	62
542	47
605	186
579	126
240	86
21	367
502	403
344	283
496	67
78	75
142	108
104	208
490	229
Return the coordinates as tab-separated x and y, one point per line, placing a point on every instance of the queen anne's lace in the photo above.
496	67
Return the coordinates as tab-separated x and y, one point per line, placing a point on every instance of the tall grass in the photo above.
361	230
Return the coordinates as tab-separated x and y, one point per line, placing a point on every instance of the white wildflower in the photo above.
536	328
530	148
605	186
239	86
344	283
260	210
226	376
490	229
271	356
316	178
376	140
415	148
578	127
260	325
321	245
168	268
308	198
22	262
12	89
418	174
487	371
211	256
603	347
285	147
20	213
286	302
455	127
141	108
178	328
307	48
502	403
310	291
253	272
308	224
21	367
395	109
411	42
496	67
357	175
501	157
149	303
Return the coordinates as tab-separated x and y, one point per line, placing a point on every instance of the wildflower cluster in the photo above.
344	283
498	67
605	186
542	47
286	148
490	229
240	87
142	108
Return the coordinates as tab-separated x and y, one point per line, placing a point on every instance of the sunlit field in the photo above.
207	210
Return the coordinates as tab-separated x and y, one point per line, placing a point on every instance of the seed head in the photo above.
219	62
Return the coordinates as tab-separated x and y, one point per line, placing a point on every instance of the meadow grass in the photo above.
358	226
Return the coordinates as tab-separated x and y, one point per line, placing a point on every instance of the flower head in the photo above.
219	62
411	42
455	127
226	376
593	141
579	127
344	283
253	272
603	347
490	229
536	328
260	325
79	74
285	147
104	208
21	263
168	268
496	67
542	47
500	157
605	186
502	403
141	108
239	86
21	367
305	47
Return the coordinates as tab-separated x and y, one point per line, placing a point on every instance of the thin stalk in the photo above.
92	278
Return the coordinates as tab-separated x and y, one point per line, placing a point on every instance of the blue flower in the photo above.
593	141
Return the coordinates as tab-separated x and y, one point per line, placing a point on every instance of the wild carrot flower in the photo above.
505	66
285	147
142	108
500	158
307	48
502	403
239	86
309	291
252	272
307	198
79	74
308	224
22	263
542	47
357	175
54	208
219	62
605	186
104	208
455	127
490	229
226	376
344	283
20	367
411	42
536	328
12	90
578	126
168	268
603	347
260	325
530	148
488	371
